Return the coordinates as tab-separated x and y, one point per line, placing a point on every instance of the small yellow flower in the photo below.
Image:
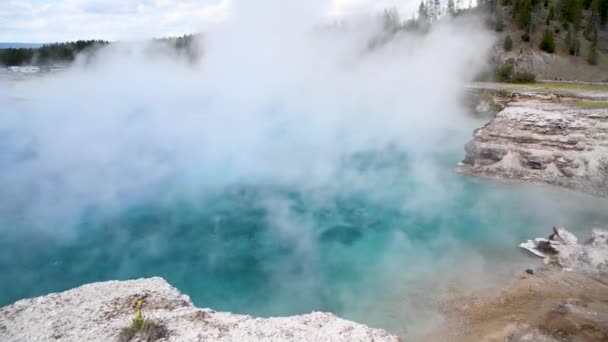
140	302
138	314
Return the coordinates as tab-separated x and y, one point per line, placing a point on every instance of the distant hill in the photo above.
552	39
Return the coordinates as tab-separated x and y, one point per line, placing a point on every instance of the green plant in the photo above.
524	77
592	104
144	329
505	71
547	43
508	43
572	42
551	14
592	55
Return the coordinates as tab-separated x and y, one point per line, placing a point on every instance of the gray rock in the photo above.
543	141
562	248
98	312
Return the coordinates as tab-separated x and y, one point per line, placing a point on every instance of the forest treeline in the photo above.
48	53
63	53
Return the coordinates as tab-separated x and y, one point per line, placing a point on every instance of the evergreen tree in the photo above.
571	11
391	20
551	15
499	23
437	7
508	43
589	30
423	13
547	43
586	4
592	54
602	8
522	10
572	42
451	9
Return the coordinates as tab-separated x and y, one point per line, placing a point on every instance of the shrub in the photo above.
505	71
508	43
143	329
525	37
524	77
547	43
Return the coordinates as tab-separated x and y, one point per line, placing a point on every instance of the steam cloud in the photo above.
278	98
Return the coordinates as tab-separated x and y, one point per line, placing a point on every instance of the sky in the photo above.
43	21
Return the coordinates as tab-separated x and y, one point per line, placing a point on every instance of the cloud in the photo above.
62	20
352	7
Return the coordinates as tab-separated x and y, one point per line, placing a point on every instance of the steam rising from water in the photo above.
276	98
293	169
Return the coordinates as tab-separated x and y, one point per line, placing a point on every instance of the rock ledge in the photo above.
98	311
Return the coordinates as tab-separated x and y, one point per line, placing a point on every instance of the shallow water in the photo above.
379	251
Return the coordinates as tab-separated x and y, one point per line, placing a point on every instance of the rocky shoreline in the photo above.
107	312
546	136
565	300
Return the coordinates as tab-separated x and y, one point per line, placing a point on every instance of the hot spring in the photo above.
312	175
373	244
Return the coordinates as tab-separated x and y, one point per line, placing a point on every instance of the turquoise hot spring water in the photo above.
378	252
377	232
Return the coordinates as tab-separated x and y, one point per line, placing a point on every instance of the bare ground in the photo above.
544	306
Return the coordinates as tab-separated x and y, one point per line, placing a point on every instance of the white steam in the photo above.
277	98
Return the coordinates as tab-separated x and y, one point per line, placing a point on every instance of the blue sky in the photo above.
41	21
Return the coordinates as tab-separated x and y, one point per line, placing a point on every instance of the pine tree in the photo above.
391	20
572	42
423	13
499	24
508	43
437	7
589	30
603	11
571	11
522	10
592	54
451	10
551	15
547	43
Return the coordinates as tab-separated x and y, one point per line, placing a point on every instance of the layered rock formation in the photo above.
547	138
101	311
